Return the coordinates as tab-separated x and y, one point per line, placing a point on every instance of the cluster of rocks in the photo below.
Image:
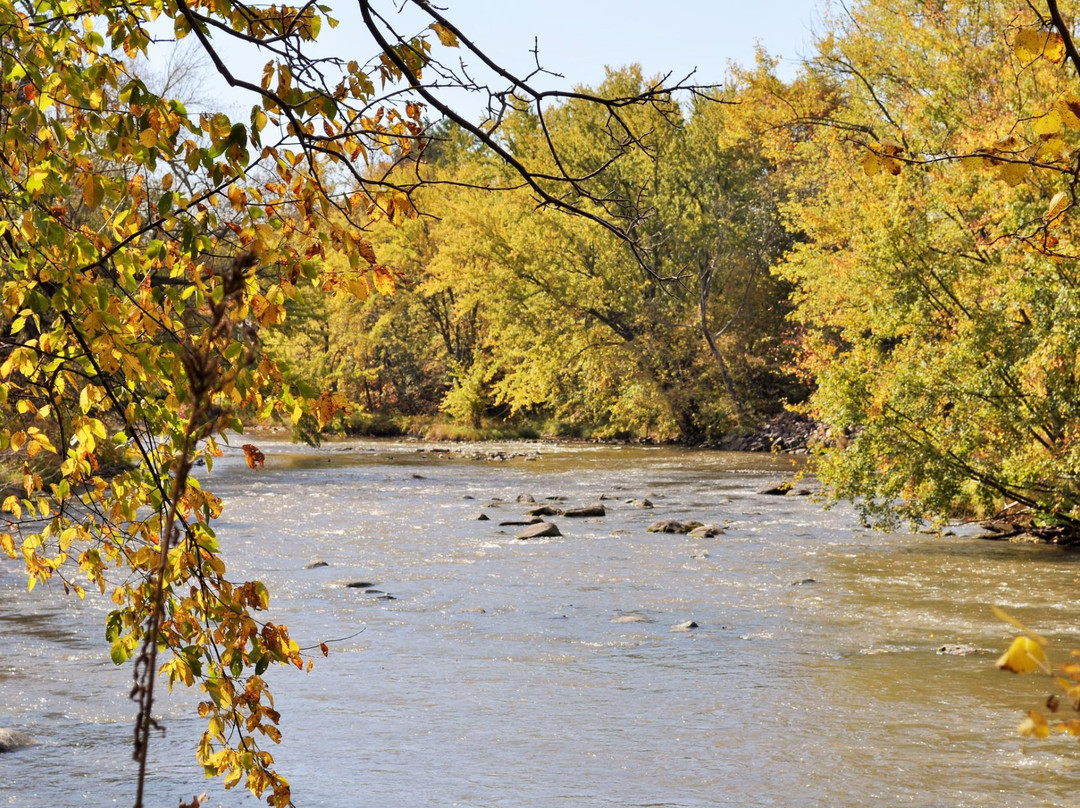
1021	528
488	455
699	530
789	432
364	587
534	524
784	489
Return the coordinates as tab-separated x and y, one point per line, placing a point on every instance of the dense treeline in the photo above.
506	311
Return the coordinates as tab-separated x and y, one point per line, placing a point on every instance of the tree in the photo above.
144	250
931	152
539	315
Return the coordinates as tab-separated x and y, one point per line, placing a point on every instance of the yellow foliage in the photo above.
1013	173
1058	205
1035	724
1025	655
1031	43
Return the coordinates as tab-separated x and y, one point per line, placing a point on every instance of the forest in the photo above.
883	244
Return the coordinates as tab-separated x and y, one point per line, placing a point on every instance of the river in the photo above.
504	673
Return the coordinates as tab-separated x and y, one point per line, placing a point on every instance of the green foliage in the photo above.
504	310
936	285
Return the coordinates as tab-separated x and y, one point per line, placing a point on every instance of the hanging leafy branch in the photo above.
143	247
931	157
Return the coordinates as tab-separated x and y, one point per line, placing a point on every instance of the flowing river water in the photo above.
504	673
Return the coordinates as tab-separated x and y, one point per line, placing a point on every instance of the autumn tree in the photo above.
145	250
931	151
536	315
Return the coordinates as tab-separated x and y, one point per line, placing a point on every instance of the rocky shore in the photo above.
788	432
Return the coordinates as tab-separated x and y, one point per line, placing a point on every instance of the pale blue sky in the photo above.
578	38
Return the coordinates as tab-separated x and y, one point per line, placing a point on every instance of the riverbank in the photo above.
786	433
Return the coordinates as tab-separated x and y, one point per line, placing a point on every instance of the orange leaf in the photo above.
253	456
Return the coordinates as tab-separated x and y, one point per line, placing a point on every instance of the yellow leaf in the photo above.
871	164
1054	49
237	197
1068	106
1057	205
12	506
1031	43
1049	124
220	127
384	281
1051	148
1013	173
1025	655
67	536
1035	724
971	163
93	192
148	138
446	36
1027	45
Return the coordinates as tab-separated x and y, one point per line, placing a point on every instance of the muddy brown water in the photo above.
546	673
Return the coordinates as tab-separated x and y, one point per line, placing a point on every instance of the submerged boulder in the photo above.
11	740
962	649
706	532
315	563
689	625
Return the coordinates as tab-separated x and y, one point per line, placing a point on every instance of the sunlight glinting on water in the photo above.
474	669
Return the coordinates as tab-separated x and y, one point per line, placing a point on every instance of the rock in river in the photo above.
962	649
10	740
706	532
672	526
538	530
588	510
689	625
315	563
544	510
